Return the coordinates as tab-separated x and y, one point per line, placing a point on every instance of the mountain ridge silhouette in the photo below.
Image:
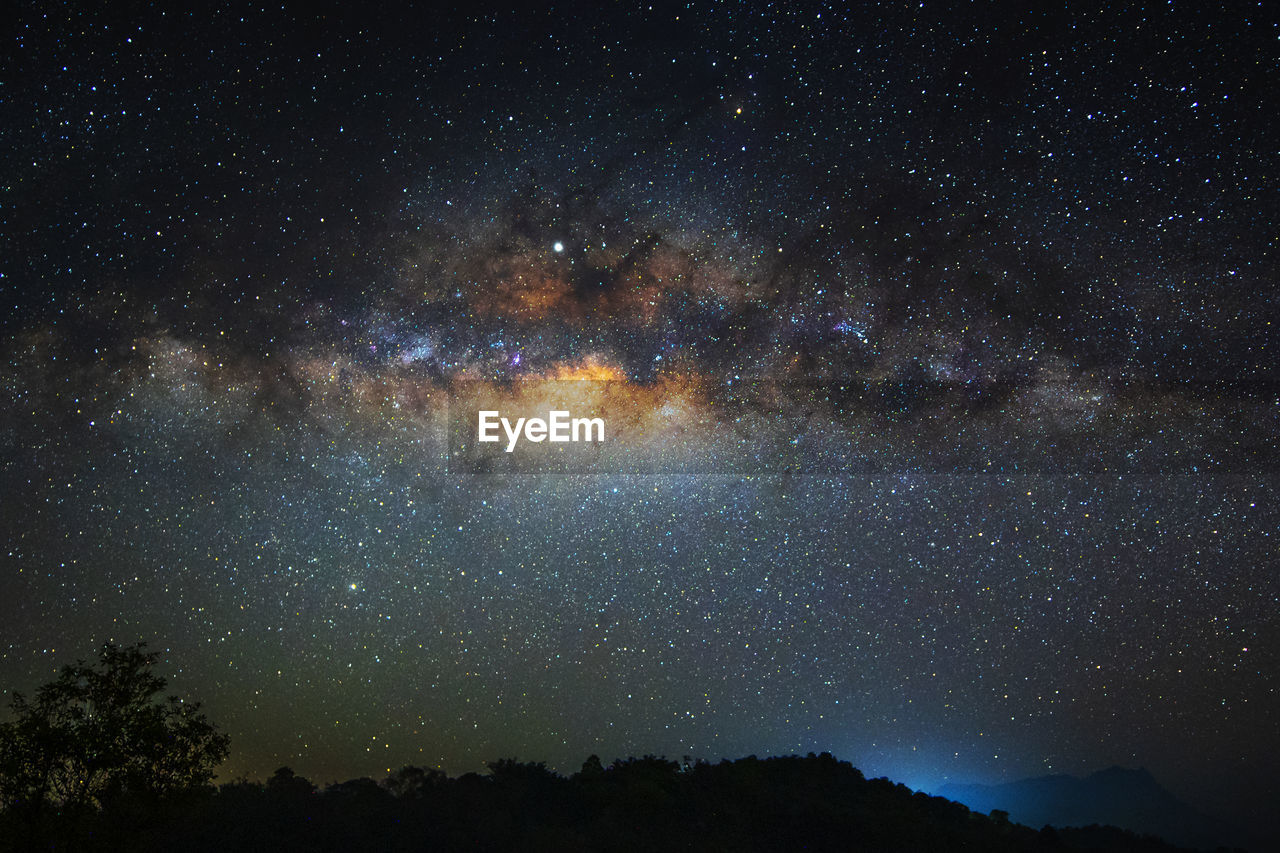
1130	798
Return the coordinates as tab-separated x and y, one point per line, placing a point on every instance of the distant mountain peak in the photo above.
1130	798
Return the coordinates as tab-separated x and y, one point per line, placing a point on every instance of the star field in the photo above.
942	342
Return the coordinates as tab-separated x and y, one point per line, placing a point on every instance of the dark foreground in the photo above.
647	804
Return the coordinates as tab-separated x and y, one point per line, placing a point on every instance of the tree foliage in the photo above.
99	732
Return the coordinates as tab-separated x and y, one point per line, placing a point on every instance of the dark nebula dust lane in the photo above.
937	347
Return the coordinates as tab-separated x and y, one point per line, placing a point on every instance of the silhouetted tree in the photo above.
97	733
284	783
591	768
412	783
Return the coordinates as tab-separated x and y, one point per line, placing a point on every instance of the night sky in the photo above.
942	339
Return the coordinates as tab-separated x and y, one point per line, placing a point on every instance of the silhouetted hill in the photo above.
1130	799
641	804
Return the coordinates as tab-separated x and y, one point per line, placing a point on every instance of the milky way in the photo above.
942	347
